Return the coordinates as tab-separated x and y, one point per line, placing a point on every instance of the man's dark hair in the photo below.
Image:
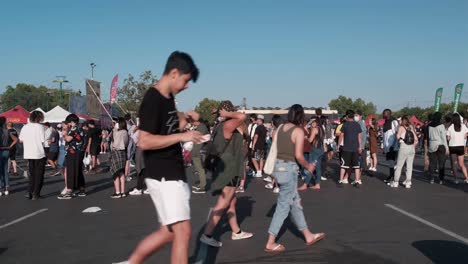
318	111
47	124
296	115
91	122
127	116
182	62
72	118
254	116
349	113
276	120
36	117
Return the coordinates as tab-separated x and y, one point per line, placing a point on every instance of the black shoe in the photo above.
28	196
200	190
82	194
65	196
389	179
123	195
196	187
116	196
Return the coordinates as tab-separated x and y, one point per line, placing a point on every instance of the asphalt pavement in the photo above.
370	224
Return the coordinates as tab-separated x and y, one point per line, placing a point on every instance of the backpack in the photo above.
409	137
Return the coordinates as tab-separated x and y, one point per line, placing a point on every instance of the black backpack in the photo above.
409	137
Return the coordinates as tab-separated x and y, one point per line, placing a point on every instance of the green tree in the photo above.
205	108
343	103
31	97
130	95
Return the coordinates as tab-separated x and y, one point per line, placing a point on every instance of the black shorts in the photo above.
259	154
350	160
94	150
46	150
12	153
391	155
459	150
52	156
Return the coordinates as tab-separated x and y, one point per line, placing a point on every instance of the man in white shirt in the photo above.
33	137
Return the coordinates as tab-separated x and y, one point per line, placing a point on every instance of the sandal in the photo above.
317	238
279	248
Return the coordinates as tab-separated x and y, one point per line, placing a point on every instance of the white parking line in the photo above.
23	218
441	229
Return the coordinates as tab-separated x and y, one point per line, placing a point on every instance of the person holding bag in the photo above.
290	144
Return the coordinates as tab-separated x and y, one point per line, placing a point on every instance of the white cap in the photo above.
261	117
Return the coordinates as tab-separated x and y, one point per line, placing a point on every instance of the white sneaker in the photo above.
394	184
242	235
146	192
407	185
257	175
276	190
135	192
323	178
269	186
64	191
132	165
210	241
1	193
345	181
6	193
268	179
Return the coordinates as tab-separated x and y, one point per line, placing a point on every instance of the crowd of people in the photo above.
163	143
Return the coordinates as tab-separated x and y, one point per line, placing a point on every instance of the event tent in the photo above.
40	110
17	115
56	115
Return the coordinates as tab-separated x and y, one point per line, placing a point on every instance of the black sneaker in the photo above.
123	195
115	196
81	194
200	190
65	196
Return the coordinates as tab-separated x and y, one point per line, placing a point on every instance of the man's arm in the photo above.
235	120
255	140
148	141
360	143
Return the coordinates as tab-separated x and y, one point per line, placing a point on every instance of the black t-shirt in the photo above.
261	131
94	134
54	146
12	132
158	116
351	132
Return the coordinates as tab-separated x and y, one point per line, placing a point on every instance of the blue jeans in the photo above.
61	157
304	172
288	198
4	176
316	155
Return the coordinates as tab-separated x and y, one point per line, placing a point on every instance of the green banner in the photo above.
438	98
457	96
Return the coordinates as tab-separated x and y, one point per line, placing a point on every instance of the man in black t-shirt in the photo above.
94	143
352	148
259	146
160	138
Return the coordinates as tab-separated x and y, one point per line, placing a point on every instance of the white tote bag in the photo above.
271	159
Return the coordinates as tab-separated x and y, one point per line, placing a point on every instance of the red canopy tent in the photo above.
416	121
16	115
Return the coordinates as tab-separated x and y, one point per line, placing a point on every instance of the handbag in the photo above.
271	159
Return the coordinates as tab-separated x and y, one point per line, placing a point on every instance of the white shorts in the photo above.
171	199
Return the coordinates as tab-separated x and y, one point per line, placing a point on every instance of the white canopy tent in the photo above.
39	109
56	115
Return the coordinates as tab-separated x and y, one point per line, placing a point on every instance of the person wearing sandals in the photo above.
316	139
228	171
74	138
456	135
290	143
119	158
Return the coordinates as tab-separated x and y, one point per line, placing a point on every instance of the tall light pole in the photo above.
92	64
61	80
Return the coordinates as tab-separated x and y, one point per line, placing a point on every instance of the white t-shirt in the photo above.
457	138
32	136
47	134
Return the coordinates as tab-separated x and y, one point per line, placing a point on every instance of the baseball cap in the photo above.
261	117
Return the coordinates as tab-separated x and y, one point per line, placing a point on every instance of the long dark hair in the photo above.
296	115
456	121
318	140
276	120
436	119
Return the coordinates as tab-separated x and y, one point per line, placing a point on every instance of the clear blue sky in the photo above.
275	53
